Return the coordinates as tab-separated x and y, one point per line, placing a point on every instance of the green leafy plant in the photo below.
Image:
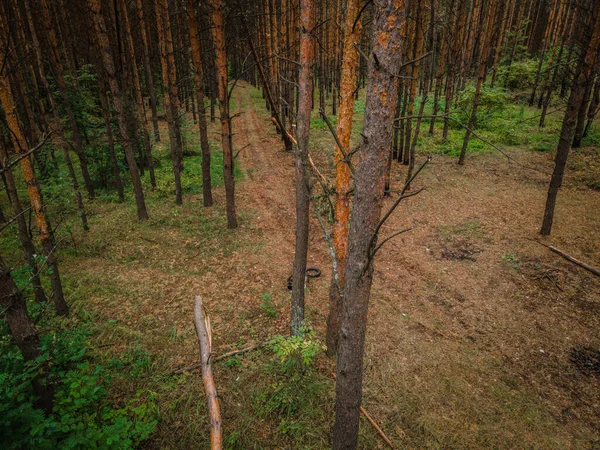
512	259
297	353
83	415
267	305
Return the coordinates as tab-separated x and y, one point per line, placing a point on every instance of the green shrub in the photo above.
492	103
82	416
520	75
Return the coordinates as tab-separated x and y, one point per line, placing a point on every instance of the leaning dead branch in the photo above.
218	358
204	340
372	422
575	261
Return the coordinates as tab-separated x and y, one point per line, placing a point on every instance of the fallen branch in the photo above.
574	260
218	358
377	427
204	340
240	150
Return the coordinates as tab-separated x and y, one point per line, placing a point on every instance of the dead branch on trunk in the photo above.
204	340
401	197
337	140
8	164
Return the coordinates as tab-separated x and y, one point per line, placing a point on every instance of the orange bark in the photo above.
343	182
35	196
218	34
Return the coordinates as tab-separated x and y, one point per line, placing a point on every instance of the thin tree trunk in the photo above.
109	67
583	76
58	71
33	190
167	61
218	35
17	210
307	42
140	111
111	141
148	68
366	212
202	125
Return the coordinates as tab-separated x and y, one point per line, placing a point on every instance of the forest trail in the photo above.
269	190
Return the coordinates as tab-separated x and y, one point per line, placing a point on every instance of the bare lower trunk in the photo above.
109	67
302	187
218	34
369	181
583	77
23	331
202	126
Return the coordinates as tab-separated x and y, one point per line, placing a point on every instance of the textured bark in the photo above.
212	399
343	182
218	35
307	42
148	68
140	111
167	62
22	330
17	210
366	212
109	67
58	72
585	72
33	189
202	125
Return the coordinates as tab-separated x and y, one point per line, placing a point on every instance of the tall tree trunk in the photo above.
148	67
585	72
202	125
17	210
485	38
343	182
140	111
593	109
167	61
109	67
33	189
307	43
110	138
366	212
58	72
57	120
218	35
22	330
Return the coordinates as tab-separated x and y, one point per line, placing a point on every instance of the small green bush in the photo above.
520	75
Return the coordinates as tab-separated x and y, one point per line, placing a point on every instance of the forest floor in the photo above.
478	336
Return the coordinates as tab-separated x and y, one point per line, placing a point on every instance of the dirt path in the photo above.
269	190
